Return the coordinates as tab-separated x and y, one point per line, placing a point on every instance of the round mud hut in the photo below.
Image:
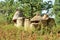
18	18
35	21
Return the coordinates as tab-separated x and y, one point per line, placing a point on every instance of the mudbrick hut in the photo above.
18	18
35	21
44	19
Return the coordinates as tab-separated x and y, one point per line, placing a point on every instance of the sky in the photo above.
48	0
50	10
44	11
1	0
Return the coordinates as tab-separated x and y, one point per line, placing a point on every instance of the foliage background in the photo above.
8	7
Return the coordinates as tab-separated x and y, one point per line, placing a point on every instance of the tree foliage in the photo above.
28	6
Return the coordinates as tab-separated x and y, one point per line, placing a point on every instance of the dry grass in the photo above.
9	32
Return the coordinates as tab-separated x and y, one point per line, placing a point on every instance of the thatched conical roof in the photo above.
45	17
36	18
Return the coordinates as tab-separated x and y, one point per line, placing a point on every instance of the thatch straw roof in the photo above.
45	17
36	18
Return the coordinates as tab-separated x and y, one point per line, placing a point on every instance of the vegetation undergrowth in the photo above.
10	32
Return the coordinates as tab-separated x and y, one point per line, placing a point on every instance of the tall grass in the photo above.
10	32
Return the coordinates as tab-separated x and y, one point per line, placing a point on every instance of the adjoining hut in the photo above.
44	19
35	20
47	23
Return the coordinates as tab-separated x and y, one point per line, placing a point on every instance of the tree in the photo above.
57	11
28	6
